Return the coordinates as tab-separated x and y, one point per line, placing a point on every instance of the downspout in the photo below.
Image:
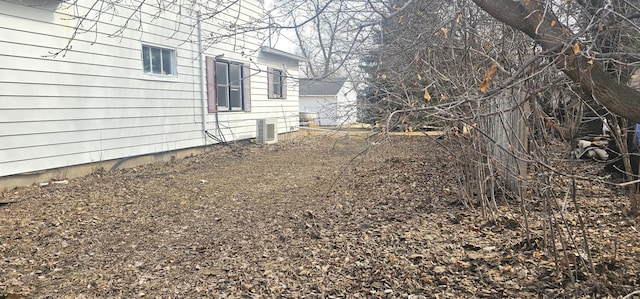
339	116
201	80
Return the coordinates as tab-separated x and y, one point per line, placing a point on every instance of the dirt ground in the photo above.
316	215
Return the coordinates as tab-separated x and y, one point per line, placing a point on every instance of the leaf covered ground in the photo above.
317	215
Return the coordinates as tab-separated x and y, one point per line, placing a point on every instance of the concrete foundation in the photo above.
70	172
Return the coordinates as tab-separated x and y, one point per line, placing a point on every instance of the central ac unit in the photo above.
267	131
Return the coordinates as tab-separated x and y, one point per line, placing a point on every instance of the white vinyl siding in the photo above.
95	102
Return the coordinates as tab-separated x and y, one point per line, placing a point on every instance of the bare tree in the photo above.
232	24
585	51
588	38
329	33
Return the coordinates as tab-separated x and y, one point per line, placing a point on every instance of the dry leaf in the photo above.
427	96
537	254
487	78
553	23
576	48
264	249
445	31
506	268
392	258
416	256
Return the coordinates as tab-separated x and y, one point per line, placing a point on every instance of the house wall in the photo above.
325	106
332	110
94	102
242	125
347	99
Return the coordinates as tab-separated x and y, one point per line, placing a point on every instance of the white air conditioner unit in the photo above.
267	131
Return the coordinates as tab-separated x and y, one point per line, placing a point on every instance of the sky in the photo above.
284	41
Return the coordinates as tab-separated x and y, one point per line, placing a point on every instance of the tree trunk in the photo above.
507	128
529	17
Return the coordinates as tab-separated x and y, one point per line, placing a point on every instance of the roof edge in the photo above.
281	53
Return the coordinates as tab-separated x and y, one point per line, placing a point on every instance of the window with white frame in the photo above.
158	61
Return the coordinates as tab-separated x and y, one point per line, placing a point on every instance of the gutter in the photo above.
281	53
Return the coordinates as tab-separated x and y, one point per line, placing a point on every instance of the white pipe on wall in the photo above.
203	103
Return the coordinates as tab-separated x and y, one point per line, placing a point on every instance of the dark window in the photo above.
277	83
276	80
228	86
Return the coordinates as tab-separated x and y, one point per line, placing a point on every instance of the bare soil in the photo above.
317	215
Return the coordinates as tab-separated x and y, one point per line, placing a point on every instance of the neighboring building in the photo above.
333	99
139	91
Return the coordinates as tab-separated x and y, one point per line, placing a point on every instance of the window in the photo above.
276	80
228	85
158	61
276	84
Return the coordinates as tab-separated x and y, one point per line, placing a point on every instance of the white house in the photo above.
334	100
130	80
